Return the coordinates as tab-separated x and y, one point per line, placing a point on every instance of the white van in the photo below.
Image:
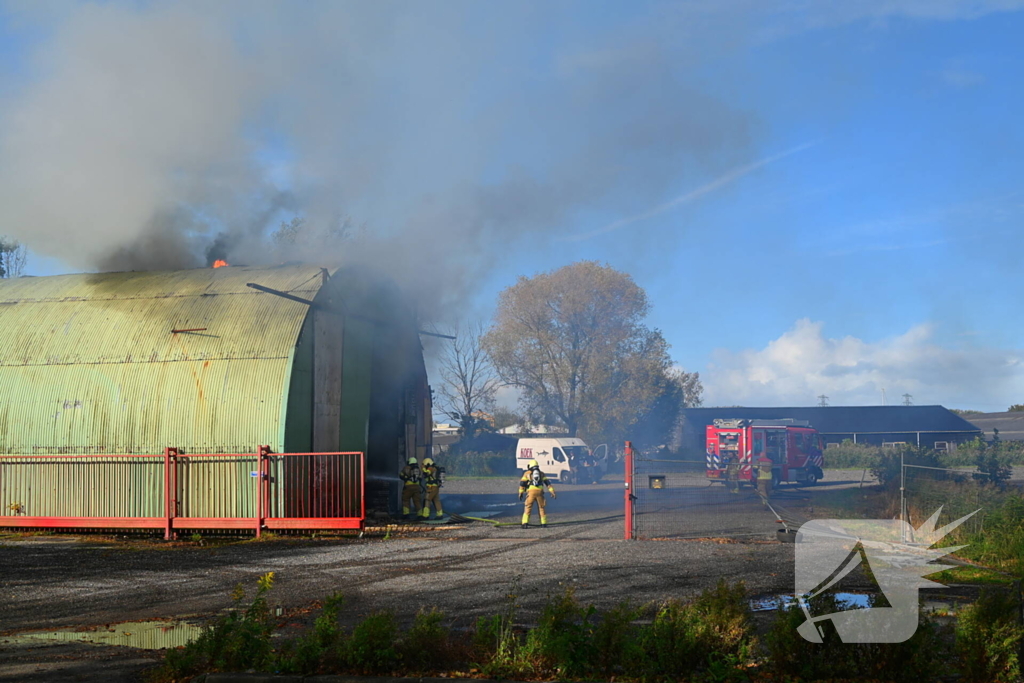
569	460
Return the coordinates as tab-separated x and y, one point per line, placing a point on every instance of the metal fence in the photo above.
954	491
673	499
175	491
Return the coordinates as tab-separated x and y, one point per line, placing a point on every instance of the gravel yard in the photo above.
466	570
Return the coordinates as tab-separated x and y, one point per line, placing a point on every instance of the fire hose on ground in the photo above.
463	518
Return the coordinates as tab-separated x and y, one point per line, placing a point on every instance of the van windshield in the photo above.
577	452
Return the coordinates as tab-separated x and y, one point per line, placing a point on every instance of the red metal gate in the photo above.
176	491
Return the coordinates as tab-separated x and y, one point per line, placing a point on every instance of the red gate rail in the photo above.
176	491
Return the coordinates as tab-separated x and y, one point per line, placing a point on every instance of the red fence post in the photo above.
261	475
362	491
630	535
170	491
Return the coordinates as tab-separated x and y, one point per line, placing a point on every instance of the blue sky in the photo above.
817	198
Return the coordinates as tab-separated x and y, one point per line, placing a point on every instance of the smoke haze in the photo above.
151	135
148	135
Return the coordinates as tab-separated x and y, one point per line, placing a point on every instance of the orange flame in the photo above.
220	263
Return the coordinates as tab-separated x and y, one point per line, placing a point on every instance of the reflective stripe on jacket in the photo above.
431	476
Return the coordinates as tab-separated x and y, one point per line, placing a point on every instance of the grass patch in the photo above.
865	503
971	575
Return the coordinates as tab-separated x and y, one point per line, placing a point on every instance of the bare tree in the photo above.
468	380
13	256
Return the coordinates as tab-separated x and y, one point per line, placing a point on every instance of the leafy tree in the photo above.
573	340
1016	408
965	413
468	380
993	463
505	417
678	389
13	256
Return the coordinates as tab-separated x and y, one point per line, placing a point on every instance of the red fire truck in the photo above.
793	446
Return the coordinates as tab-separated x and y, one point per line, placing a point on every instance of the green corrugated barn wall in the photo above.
135	362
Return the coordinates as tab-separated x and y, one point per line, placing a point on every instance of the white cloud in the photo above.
959	77
802	364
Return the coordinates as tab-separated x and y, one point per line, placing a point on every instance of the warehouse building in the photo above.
214	361
928	426
1008	426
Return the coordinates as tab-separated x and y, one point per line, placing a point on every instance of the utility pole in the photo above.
823	401
907	401
883	396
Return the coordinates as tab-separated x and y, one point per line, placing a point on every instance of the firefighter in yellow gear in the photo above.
764	479
732	475
433	478
531	488
413	478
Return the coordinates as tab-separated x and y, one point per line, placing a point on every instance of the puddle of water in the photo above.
768	603
144	635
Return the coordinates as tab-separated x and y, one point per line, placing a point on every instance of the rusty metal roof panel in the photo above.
93	363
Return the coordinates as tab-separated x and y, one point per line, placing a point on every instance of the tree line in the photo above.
575	345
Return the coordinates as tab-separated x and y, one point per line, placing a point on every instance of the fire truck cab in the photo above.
793	446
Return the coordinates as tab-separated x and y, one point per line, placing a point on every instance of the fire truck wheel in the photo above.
811	479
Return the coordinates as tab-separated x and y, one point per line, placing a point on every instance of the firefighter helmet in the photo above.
532	464
427	462
412	461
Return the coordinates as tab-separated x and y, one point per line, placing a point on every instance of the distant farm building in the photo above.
199	360
927	426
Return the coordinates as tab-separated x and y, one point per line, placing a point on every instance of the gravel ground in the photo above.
66	581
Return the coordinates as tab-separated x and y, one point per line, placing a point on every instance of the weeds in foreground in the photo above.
921	658
989	638
237	641
709	640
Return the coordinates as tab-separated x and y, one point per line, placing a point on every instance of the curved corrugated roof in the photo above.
89	363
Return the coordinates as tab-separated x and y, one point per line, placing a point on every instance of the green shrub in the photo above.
426	646
318	649
562	641
888	468
685	639
849	455
371	647
789	655
615	639
966	454
495	638
1001	544
989	638
237	641
473	464
487	637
